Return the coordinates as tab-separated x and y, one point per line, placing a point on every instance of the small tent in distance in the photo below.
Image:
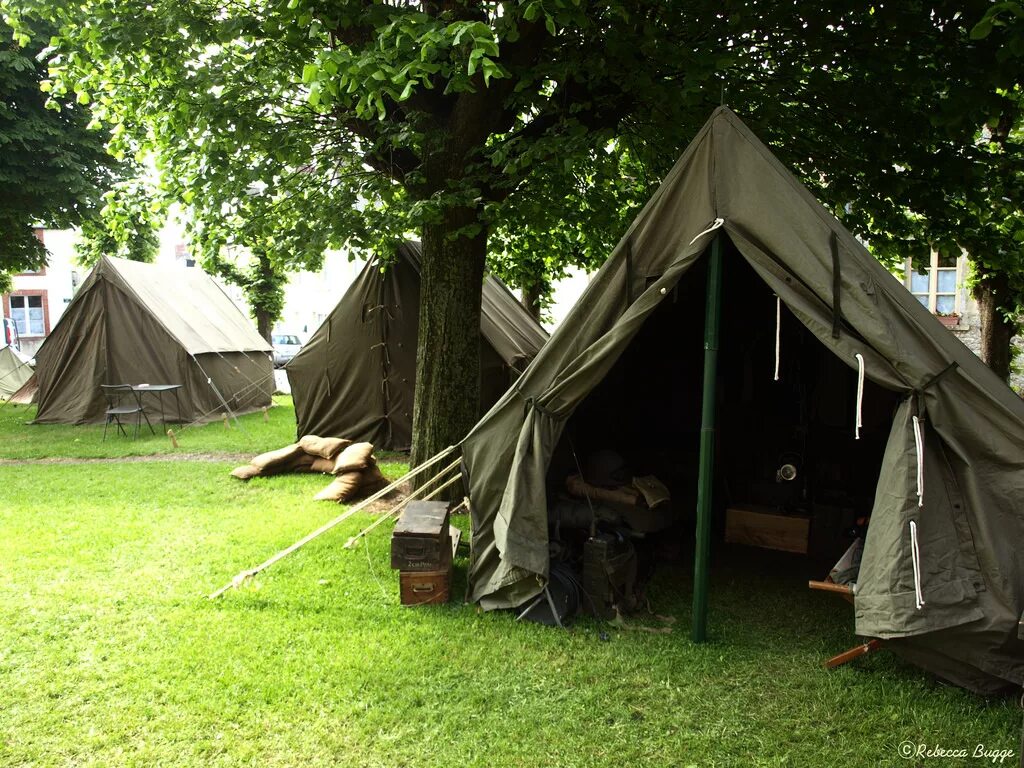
15	371
941	579
356	376
136	323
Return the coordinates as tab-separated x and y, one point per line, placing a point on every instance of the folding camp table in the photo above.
158	390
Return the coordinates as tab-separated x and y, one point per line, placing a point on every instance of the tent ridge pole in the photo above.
706	472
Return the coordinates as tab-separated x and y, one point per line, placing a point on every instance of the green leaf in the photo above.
309	73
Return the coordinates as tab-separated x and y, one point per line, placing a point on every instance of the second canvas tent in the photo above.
356	375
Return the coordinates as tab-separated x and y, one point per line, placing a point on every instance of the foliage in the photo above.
53	166
997	217
126	226
358	123
262	284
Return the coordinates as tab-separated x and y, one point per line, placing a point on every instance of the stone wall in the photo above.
969	332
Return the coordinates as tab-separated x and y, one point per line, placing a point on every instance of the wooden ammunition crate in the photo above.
766	527
427	587
421	538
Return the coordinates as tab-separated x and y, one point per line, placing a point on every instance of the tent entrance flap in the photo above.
648	411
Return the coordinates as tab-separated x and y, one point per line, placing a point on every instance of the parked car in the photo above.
10	334
286	346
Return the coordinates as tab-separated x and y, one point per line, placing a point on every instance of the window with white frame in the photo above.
935	283
27	314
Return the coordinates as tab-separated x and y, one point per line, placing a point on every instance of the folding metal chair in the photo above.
123	400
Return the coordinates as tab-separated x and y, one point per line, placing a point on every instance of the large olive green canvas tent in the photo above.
15	370
942	577
356	375
135	323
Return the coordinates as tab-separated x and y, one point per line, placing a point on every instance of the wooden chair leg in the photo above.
854	653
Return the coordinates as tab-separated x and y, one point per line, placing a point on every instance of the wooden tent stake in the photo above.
241	577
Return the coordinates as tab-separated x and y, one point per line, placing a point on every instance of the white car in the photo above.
286	346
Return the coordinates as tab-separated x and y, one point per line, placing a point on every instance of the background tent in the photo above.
633	342
356	375
14	371
135	323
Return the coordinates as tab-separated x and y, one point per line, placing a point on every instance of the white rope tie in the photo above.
778	334
915	556
714	225
919	444
860	394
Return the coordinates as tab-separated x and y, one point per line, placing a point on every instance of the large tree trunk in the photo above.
264	323
266	296
447	397
996	332
532	299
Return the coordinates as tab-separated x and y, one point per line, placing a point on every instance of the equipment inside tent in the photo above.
135	323
356	375
731	272
15	371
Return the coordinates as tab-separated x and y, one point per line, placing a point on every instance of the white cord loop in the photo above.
714	225
860	394
778	334
919	444
915	556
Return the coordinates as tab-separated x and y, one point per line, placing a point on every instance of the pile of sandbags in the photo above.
353	465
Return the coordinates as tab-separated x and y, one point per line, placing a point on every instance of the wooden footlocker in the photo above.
766	527
421	538
427	587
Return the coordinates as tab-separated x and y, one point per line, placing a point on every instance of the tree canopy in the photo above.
53	166
527	129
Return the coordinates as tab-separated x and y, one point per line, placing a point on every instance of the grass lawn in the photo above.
252	435
110	654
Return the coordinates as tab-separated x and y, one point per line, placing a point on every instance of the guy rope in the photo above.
242	577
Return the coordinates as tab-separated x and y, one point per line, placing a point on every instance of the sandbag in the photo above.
324	466
581	489
301	462
281	457
324	447
248	472
372	480
355	457
342	488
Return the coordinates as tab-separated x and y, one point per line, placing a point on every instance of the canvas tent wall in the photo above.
962	623
135	323
356	375
15	370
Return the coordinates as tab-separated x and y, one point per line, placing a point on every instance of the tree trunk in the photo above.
264	322
447	397
532	297
266	296
996	333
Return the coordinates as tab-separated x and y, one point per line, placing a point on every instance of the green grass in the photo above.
110	655
252	435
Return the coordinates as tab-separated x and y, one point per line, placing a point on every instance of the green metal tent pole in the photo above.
706	474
